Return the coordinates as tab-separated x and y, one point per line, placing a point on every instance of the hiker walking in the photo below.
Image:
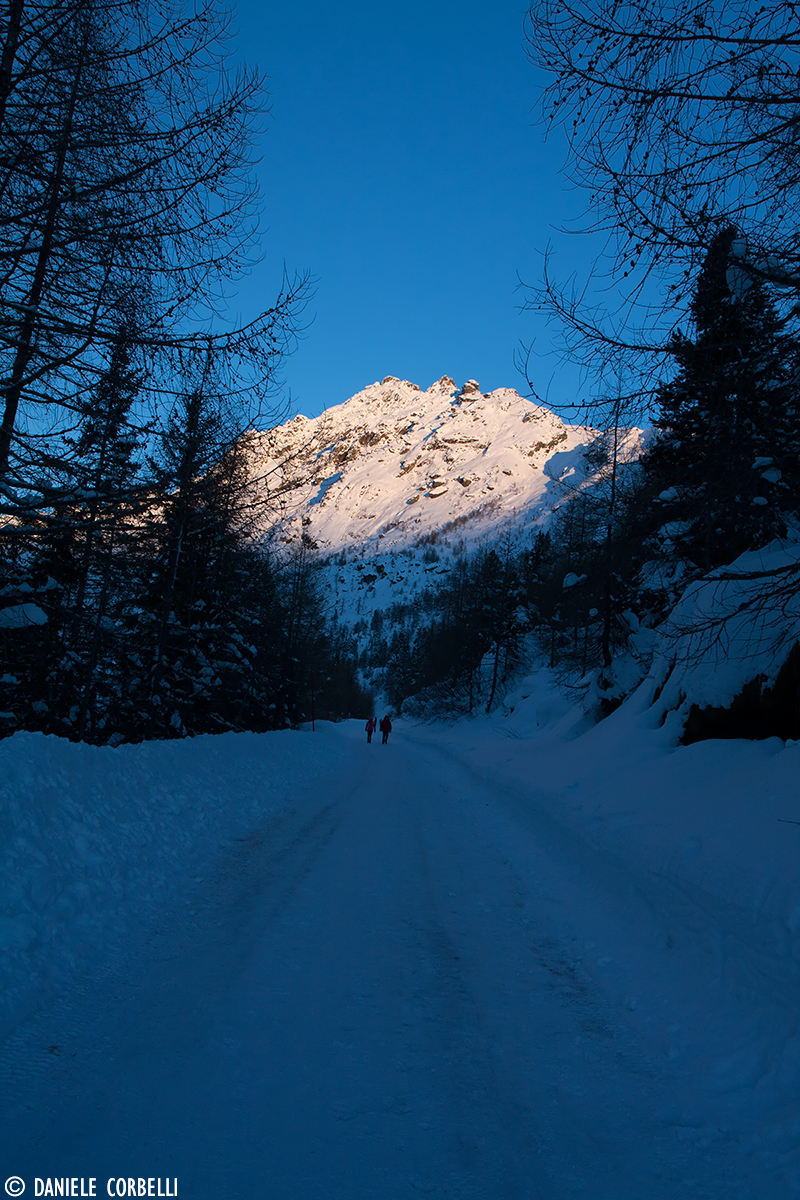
370	728
386	729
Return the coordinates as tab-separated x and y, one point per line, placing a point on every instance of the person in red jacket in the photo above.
370	728
386	729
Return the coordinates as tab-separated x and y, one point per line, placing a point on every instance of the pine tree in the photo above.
107	469
723	475
192	565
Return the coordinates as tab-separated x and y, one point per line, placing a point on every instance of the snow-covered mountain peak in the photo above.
395	466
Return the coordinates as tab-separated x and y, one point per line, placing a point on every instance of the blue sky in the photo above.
404	165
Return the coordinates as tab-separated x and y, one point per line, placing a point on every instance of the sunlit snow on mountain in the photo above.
394	463
394	471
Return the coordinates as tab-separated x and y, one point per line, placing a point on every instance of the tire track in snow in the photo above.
682	958
612	1107
378	999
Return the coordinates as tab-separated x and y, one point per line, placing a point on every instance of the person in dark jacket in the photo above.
370	728
386	729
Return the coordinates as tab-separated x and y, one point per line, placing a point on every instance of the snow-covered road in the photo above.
377	993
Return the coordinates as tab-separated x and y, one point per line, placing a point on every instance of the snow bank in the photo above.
94	839
739	622
536	702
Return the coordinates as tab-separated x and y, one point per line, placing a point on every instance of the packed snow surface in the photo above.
502	959
93	841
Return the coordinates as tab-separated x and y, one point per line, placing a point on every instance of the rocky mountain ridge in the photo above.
395	466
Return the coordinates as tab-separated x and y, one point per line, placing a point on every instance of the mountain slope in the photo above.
394	466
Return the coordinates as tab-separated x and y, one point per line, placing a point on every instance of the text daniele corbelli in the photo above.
122	1186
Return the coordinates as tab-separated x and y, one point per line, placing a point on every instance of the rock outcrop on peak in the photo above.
395	466
445	386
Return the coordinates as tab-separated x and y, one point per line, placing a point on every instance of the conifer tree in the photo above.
106	470
724	472
195	534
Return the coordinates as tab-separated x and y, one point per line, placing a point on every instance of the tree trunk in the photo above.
24	353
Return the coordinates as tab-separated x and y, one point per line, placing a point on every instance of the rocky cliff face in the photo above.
395	465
